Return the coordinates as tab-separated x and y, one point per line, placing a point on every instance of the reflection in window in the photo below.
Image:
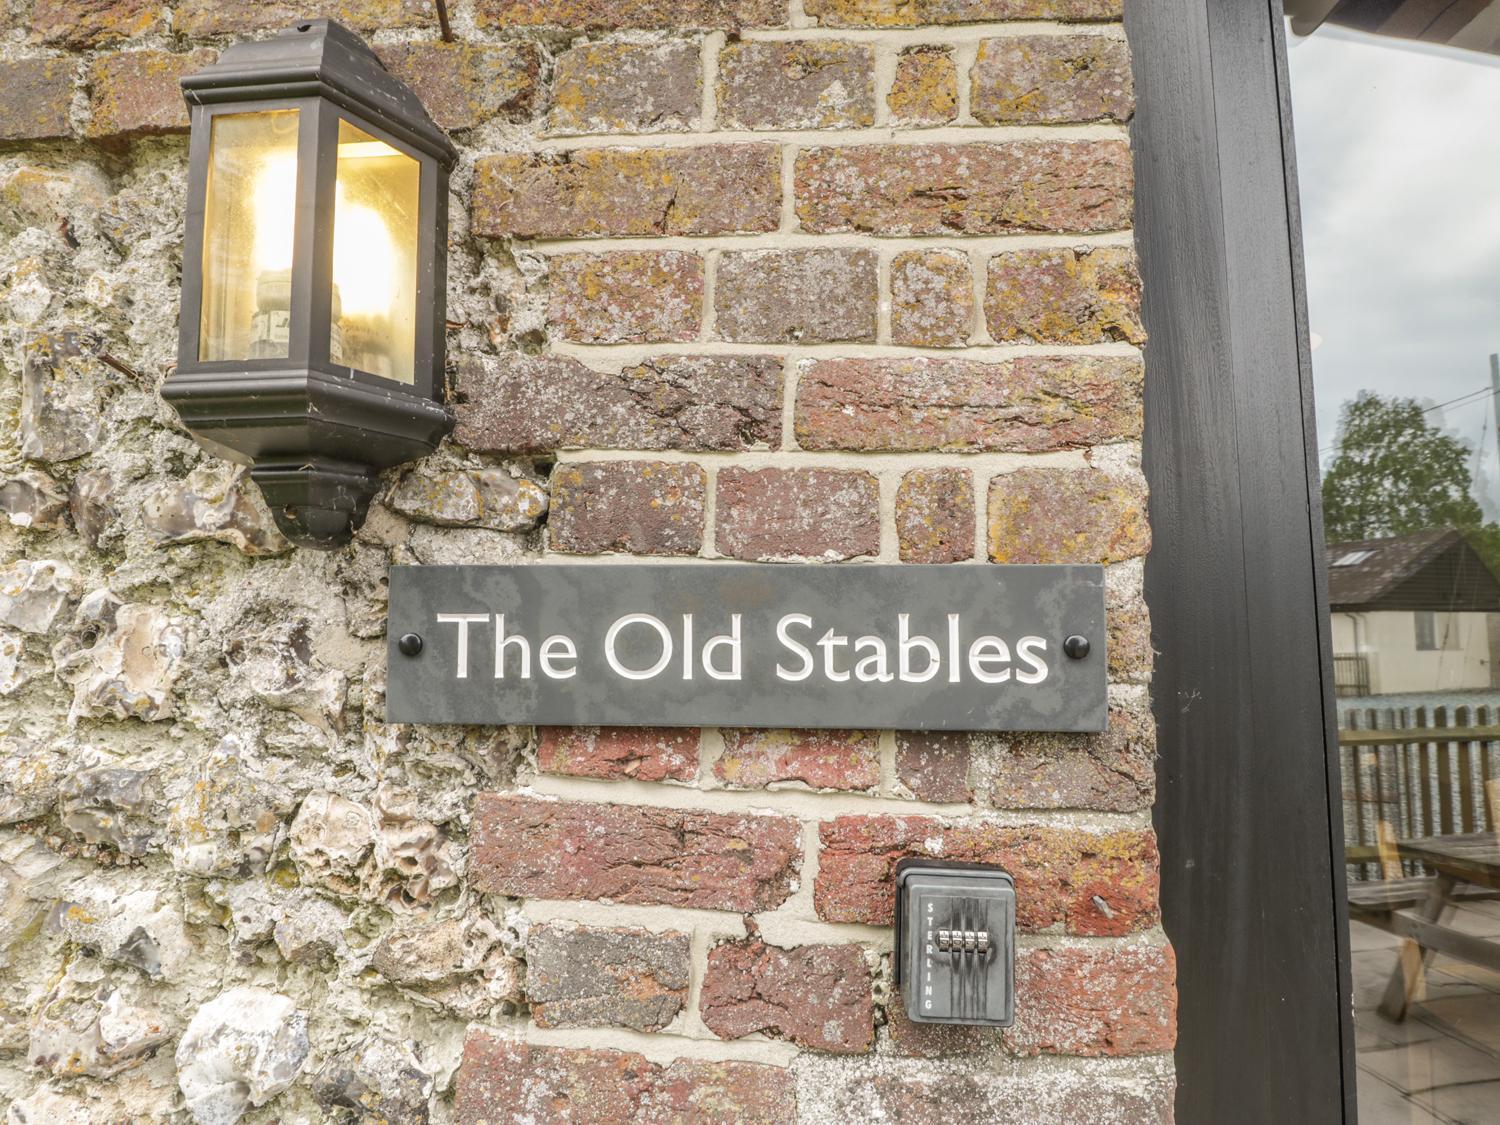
374	325
248	225
1398	161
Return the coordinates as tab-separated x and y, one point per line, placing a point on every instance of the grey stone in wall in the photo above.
311	931
122	660
174	683
12	653
33	592
460	964
115	806
33	499
396	859
232	816
136	925
241	1049
30	772
91	503
60	415
216	501
276	666
378	1081
86	1026
469	498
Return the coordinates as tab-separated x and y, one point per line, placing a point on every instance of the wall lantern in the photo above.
313	276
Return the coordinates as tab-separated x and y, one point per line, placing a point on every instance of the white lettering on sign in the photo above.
614	634
804	652
558	647
807	657
730	641
502	643
463	621
1027	650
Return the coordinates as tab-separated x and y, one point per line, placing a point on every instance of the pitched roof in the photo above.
1472	24
1429	570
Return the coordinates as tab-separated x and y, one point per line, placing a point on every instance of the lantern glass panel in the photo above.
374	324
249	218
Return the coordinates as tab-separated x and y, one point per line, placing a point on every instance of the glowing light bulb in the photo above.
275	208
364	260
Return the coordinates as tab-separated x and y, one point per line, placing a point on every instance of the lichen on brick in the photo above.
924	90
812	84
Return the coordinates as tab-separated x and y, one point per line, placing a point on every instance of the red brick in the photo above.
93	23
713	189
506	1082
202	18
932	298
466	84
1065	297
934	766
1032	404
699	1091
37	95
913	13
1120	1001
1059	873
817	996
600	15
1129	627
965	189
813	84
769	514
627	296
530	848
136	92
805	296
518	403
627	87
1113	772
643	507
935	516
638	753
584	976
1051	79
1066	516
924	90
823	759
987	1095
929	1040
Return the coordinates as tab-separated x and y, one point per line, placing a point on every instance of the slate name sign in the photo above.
748	645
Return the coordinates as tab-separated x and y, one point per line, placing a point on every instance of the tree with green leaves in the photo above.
1395	473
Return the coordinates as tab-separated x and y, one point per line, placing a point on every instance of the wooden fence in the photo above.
1411	772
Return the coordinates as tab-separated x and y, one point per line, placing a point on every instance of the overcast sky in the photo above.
1398	155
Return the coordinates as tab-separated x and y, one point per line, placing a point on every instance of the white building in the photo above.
1414	613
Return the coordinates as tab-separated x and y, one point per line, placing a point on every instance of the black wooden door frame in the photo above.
1249	808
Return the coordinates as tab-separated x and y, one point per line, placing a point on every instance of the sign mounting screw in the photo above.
411	643
1076	647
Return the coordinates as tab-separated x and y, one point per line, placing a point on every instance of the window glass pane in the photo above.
248	221
375	257
1397	166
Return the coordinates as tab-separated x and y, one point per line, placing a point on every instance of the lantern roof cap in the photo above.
320	58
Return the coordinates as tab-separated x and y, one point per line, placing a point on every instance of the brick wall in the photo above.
836	280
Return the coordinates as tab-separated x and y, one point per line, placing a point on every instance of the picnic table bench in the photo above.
1466	865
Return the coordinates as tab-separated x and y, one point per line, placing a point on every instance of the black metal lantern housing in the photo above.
313	275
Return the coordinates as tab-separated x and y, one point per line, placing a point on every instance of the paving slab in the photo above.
1435	1062
1476	1103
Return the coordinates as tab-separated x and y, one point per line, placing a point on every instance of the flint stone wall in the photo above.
833	280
